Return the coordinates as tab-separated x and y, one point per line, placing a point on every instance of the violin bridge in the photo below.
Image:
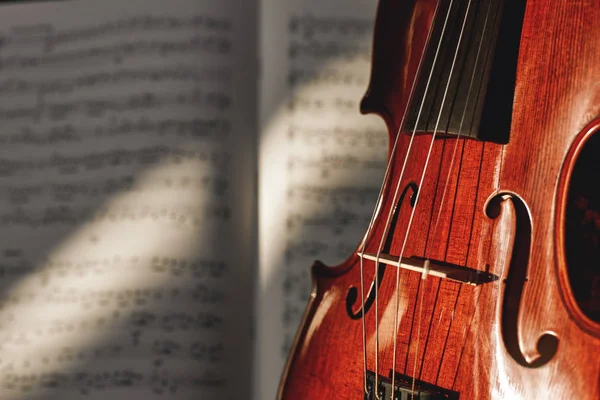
438	269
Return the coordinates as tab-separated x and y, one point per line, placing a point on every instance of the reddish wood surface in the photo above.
450	334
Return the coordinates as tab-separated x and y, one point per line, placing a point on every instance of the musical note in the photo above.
329	195
310	26
329	50
304	77
69	165
308	104
120	76
329	163
337	136
87	383
77	191
136	24
67	215
121	52
96	108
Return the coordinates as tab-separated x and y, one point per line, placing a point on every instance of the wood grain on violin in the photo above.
487	230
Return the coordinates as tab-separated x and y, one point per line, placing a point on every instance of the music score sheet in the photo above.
127	240
320	161
131	216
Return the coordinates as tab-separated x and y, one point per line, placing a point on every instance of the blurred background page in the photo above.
127	218
321	162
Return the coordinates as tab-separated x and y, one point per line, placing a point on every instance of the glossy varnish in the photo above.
482	205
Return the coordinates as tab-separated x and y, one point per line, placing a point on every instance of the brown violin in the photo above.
479	274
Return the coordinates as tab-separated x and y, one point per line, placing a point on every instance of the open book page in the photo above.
321	162
127	204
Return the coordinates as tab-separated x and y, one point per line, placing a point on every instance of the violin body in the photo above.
500	209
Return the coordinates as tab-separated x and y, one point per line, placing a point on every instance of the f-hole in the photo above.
352	295
516	279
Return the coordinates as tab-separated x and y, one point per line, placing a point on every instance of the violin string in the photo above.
394	200
460	286
427	243
376	277
469	325
465	334
467	329
478	290
496	285
447	184
459	291
431	238
420	185
378	205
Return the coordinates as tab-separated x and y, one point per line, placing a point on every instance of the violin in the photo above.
479	274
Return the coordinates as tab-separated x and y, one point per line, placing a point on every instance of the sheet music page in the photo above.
321	162
127	169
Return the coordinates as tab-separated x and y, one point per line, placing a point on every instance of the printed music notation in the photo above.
323	38
305	77
329	163
68	165
53	270
202	352
336	157
329	49
182	217
337	136
123	298
211	129
160	381
312	26
304	248
95	108
137	324
316	104
336	222
307	251
121	52
52	38
69	192
116	191
120	76
337	196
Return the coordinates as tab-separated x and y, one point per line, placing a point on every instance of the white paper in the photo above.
127	217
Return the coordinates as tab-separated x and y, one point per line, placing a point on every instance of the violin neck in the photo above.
470	96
